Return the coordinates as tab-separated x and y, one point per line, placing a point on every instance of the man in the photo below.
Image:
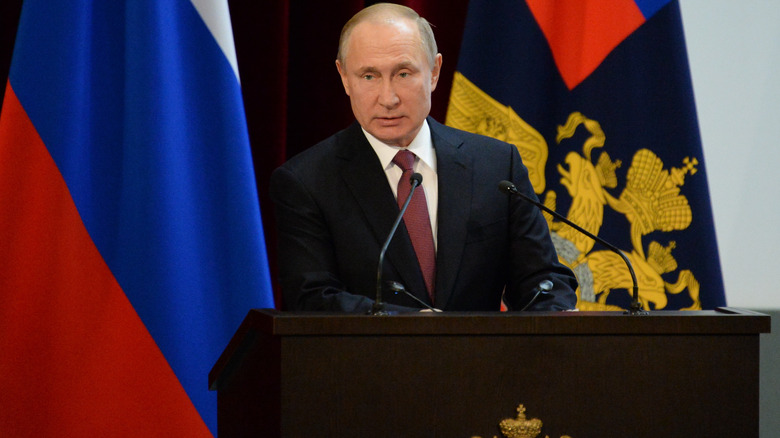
462	241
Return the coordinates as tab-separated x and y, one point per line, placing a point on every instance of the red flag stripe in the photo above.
78	360
581	33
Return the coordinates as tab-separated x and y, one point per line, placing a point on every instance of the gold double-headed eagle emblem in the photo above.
650	200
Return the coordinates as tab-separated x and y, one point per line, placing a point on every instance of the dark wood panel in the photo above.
584	386
583	374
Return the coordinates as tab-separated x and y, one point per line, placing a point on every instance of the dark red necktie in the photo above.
417	220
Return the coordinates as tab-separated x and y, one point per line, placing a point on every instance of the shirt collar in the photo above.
422	146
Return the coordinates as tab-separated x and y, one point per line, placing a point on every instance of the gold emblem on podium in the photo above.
520	426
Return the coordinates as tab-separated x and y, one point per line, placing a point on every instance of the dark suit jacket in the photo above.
335	208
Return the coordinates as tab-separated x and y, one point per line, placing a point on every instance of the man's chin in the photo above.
387	138
392	135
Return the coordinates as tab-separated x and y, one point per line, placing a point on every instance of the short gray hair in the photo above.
386	12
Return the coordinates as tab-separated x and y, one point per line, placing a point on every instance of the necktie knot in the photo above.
404	159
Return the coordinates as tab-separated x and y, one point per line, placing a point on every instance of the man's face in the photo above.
389	80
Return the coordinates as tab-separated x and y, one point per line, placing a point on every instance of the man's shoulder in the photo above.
457	136
325	150
478	146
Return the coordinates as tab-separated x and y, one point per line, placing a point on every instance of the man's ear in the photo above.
436	71
343	73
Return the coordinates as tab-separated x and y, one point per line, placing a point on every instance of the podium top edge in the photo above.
279	325
721	321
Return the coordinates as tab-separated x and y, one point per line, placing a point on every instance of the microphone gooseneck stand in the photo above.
378	308
636	306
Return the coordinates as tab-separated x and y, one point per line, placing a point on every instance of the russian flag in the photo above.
130	231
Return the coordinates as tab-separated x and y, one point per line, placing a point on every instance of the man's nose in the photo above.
388	97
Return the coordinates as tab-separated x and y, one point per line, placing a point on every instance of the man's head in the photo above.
389	66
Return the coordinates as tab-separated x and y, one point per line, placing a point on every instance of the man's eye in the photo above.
404	74
368	77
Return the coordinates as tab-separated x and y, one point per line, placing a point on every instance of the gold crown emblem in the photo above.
520	426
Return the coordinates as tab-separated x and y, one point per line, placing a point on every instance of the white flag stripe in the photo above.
216	15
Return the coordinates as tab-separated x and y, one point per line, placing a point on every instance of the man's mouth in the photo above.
388	120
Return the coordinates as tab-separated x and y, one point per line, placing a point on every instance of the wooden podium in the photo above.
583	374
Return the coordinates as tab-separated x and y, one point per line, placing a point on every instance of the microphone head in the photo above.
507	187
395	287
415	179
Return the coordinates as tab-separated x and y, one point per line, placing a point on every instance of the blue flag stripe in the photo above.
650	7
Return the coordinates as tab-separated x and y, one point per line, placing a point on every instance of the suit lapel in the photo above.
363	175
454	171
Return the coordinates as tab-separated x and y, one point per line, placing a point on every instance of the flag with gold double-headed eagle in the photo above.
597	97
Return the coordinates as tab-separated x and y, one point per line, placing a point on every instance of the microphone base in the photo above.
636	310
378	309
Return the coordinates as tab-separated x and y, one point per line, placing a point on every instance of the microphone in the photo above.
379	307
636	307
545	286
396	287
